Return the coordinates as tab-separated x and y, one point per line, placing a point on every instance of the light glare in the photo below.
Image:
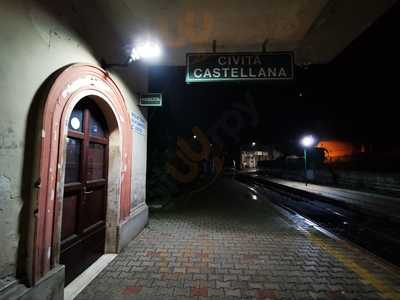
308	141
146	50
135	55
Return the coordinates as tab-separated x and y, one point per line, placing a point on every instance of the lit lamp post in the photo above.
253	156
307	142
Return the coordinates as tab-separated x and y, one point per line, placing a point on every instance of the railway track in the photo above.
377	234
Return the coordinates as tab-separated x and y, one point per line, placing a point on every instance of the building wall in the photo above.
34	44
250	159
139	157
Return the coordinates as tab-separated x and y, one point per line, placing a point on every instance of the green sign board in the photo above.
152	99
215	67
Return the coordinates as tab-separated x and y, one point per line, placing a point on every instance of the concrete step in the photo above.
11	289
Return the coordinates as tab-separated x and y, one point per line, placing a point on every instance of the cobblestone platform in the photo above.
230	246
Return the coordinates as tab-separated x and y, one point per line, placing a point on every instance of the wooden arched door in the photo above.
85	189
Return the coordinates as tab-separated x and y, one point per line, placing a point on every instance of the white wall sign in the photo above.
151	99
138	123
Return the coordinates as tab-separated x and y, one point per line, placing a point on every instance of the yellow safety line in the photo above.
384	288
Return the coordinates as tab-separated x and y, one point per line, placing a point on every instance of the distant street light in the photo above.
253	144
195	137
307	142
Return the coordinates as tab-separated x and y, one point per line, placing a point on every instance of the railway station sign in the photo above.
215	67
150	99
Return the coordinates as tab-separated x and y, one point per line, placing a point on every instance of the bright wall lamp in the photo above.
147	51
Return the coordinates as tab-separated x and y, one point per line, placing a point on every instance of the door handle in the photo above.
86	193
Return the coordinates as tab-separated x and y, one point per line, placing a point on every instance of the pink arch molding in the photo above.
73	82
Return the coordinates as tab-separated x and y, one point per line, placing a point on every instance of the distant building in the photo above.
249	157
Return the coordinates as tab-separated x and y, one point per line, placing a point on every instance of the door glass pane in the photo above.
72	167
70	205
76	120
96	161
96	127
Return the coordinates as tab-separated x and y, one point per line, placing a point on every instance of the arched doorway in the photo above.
85	189
61	194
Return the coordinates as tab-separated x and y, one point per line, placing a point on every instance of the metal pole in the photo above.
305	164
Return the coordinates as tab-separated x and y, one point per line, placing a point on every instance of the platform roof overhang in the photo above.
316	30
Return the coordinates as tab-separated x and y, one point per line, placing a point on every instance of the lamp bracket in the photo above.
106	65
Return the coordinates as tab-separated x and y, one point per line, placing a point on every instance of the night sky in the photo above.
353	98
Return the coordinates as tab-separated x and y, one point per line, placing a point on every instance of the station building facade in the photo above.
72	169
251	156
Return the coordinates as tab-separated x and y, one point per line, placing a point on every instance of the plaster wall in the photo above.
139	152
35	43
